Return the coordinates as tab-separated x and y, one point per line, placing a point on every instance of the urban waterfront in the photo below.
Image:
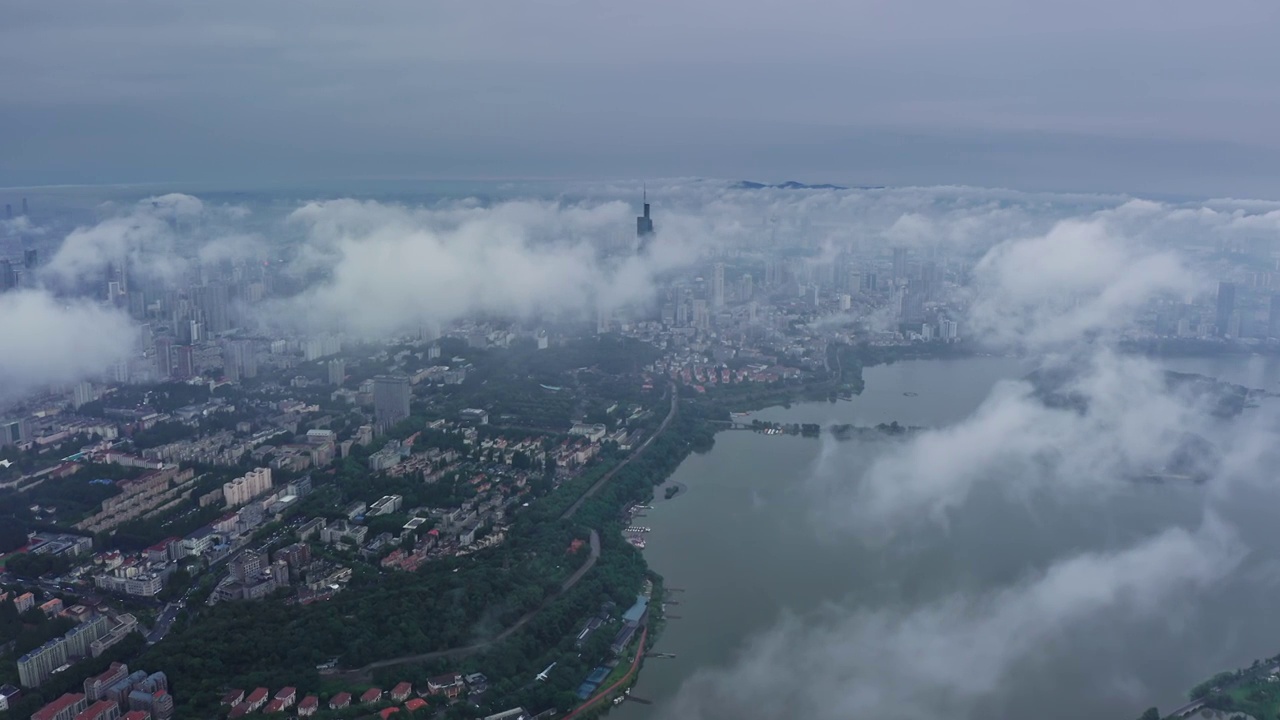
734	540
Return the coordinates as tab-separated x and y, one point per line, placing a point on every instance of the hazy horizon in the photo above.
1138	97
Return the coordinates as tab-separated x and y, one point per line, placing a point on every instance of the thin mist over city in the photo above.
689	361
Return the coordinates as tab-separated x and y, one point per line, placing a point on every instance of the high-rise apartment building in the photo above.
247	567
717	285
215	306
243	489
8	277
854	282
95	686
390	399
36	666
701	316
164	357
1226	306
337	371
1273	318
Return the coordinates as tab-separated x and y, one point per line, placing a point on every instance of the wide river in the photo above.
743	544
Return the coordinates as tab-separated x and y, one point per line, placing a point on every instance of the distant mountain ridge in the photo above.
790	185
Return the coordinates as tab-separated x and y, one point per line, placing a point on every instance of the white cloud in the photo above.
1133	424
389	267
1078	279
155	237
47	340
20	225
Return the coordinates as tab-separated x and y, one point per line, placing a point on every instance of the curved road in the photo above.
573	579
671	414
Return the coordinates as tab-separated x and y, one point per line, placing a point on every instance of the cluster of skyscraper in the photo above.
19	274
1237	313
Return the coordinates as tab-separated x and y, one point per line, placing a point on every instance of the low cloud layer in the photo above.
388	268
1132	425
1061	298
47	340
155	238
1079	279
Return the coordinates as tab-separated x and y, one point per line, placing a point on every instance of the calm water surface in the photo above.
743	544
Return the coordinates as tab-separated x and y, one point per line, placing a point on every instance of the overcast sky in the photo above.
1144	96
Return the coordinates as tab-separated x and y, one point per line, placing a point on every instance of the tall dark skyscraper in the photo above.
8	211
1226	306
164	357
1273	319
390	399
213	303
24	206
644	224
8	278
29	258
929	280
899	264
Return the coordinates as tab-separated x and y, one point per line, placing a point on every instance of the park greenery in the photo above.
447	604
1252	691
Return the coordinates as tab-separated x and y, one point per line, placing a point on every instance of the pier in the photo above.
729	424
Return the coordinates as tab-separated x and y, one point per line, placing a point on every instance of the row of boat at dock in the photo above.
634	534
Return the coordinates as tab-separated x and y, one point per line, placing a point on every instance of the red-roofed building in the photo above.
51	607
388	712
256	699
275	706
415	704
136	715
64	708
24	602
165	550
339	701
233	697
402	691
240	710
450	685
96	685
309	705
372	695
288	696
162	705
101	710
